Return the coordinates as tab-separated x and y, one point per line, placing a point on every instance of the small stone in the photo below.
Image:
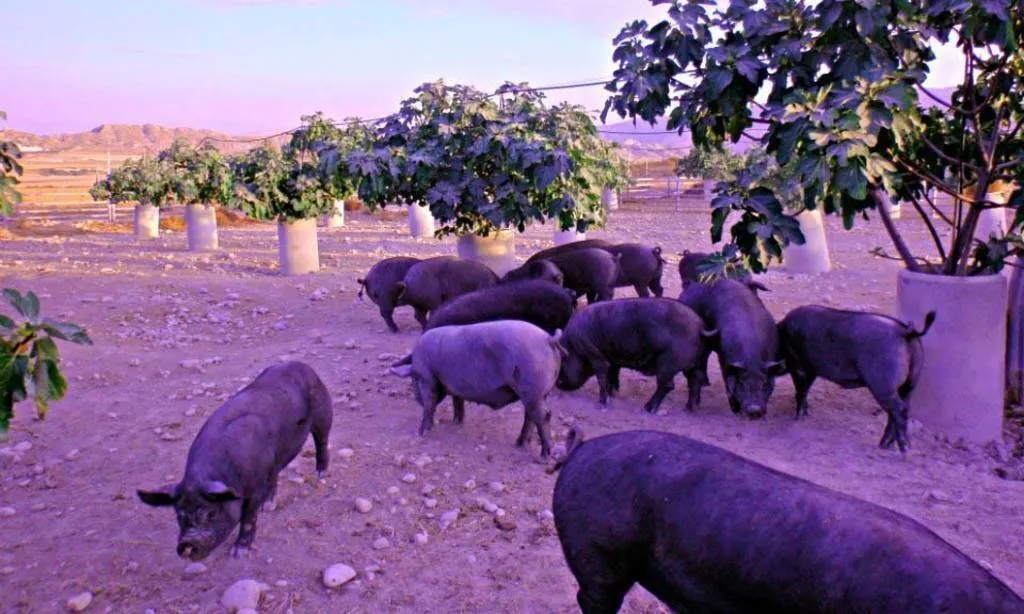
38	507
337	575
423	461
134	362
409	478
546	515
80	601
393	490
281	583
428	489
23	446
72	455
381	543
191	363
281	325
318	294
243	594
430	503
938	495
505	523
191	411
346	452
350	344
496	486
470	484
489	507
448	518
364	505
194	569
7	512
421	539
6	571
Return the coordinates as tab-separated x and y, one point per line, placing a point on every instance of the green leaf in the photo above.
6	323
17	301
66	331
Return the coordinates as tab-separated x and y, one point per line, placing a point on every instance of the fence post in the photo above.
111	212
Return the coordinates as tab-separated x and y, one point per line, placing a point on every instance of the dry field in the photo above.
176	333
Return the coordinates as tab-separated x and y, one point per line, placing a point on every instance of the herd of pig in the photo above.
702	529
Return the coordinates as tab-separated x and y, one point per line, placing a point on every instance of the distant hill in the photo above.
124	138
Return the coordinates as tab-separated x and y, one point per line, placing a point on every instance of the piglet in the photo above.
234	461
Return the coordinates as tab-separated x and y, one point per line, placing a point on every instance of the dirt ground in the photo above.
176	333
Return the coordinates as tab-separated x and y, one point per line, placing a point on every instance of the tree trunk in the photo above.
1015	335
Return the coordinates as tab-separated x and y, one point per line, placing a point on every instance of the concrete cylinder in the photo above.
336	219
568	236
960	391
201	228
421	221
610	198
147	221
297	246
812	257
497	250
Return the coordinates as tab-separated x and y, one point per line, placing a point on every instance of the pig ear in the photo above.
775	368
217	492
164	496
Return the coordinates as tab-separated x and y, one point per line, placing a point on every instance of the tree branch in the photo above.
897	239
931	228
944	155
942	102
936	209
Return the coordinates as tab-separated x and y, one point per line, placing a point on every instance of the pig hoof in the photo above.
270	506
321	474
238	552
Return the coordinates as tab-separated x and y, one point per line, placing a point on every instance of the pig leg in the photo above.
421	317
802	382
539	416
321	428
459	409
693	387
666	373
270	503
899	414
601	369
389	319
603	588
613	379
247	531
641	290
432	394
656	288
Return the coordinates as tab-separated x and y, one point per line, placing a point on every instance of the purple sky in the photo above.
255	66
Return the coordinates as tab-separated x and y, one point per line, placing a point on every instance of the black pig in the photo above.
589	271
430	283
655	336
539	302
640	267
232	466
379	285
557	250
747	344
705	530
855	349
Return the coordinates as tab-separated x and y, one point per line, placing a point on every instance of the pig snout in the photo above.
754	411
196	545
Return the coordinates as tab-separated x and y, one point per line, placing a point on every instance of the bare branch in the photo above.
931	228
894	234
942	102
945	156
1010	164
879	252
939	184
936	209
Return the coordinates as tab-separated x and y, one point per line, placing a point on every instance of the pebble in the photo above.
346	452
364	505
448	518
428	489
80	601
393	490
194	569
381	543
496	486
134	362
470	484
190	363
23	446
546	515
318	294
505	523
337	575
281	325
489	507
350	344
421	538
409	478
243	594
7	512
6	571
430	503
72	455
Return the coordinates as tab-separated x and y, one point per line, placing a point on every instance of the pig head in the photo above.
207	514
